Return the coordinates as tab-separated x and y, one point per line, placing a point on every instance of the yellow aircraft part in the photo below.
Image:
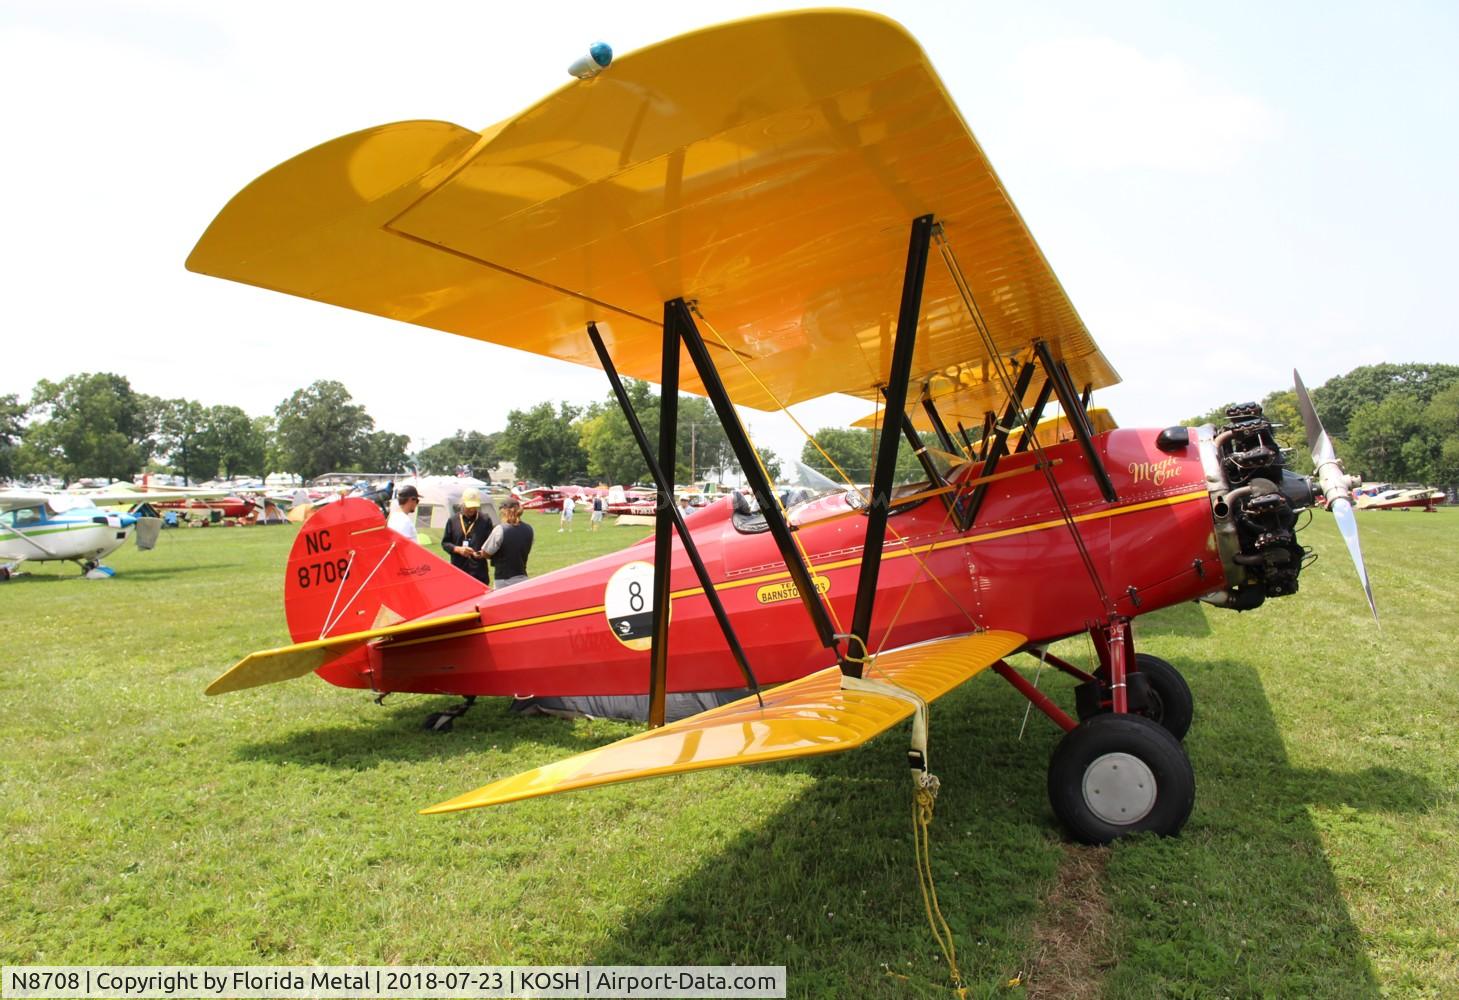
768	169
270	666
805	717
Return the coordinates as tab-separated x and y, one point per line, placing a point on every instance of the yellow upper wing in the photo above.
768	168
806	717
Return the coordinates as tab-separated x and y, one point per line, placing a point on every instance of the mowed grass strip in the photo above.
144	823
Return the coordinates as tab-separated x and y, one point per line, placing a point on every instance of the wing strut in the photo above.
665	488
680	323
928	466
1078	419
658	677
918	247
999	446
1034	416
938	426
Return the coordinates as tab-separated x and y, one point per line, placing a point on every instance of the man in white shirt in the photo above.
402	519
565	524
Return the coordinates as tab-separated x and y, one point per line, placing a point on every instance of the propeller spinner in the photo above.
1335	484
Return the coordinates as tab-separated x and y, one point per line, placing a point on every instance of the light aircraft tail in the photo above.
348	572
351	579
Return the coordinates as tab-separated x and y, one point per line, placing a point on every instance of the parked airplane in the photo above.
781	183
48	527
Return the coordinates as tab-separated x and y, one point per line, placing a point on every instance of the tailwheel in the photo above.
442	722
1156	690
1118	774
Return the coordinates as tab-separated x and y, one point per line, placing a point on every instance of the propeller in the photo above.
1335	484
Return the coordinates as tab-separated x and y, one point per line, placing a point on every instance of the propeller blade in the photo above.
1317	439
1347	523
1334	484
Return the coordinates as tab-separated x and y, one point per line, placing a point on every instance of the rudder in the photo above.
348	572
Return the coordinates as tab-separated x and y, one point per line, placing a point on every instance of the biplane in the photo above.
765	212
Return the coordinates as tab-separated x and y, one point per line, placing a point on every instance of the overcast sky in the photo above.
1226	190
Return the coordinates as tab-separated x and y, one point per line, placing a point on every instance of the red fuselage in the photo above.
1017	568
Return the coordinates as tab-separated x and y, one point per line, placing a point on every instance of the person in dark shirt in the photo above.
509	545
465	534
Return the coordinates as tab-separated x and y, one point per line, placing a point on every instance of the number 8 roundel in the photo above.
628	603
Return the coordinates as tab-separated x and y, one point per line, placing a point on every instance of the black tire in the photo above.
1168	696
1171	702
1132	752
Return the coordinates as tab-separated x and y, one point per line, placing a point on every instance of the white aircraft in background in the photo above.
46	527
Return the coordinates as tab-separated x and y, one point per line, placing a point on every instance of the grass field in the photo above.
143	823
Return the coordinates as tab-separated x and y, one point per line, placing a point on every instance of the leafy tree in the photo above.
544	443
385	452
90	425
1377	436
270	459
771	461
183	434
1441	430
12	430
473	451
854	450
612	454
321	429
703	445
1339	399
236	439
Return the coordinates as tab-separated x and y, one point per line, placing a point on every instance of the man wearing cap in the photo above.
465	534
402	519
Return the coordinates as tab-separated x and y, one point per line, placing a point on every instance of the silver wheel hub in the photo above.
1119	788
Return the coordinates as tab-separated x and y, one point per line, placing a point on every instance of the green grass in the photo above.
143	823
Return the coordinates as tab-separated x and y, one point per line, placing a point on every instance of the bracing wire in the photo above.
949	259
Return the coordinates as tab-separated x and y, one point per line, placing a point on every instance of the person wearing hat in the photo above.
402	519
509	545
465	535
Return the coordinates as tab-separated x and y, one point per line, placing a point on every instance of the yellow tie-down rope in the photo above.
924	799
925	783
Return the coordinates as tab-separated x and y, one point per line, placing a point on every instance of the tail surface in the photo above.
351	579
348	573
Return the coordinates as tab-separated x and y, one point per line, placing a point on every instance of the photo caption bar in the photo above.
402	981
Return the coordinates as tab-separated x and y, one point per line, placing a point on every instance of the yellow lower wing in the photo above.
270	666
809	716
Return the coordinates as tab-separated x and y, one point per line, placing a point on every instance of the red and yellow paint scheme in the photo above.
759	179
1015	569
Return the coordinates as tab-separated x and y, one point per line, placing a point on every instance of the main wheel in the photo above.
1169	699
1162	695
1119	774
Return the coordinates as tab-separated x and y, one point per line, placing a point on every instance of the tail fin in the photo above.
350	573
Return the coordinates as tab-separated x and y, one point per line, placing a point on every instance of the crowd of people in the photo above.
473	542
476	545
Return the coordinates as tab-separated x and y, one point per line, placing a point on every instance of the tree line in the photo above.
1388	422
95	425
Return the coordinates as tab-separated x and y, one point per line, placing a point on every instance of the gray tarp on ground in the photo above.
631	707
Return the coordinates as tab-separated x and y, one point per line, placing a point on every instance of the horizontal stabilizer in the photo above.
805	717
270	666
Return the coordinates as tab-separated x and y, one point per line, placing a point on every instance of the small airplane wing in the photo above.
20	499
810	716
269	666
768	169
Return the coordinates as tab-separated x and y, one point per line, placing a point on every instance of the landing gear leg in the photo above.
1153	688
441	722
